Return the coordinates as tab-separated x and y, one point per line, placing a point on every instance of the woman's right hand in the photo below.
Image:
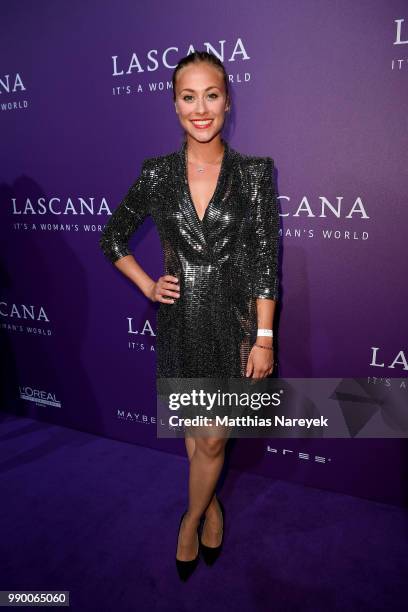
165	289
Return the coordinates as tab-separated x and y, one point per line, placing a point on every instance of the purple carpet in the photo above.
99	518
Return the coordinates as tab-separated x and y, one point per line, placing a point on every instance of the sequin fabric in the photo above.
224	262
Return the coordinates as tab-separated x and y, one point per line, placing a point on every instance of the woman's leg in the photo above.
212	512
206	463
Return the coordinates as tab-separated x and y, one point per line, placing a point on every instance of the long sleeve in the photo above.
126	218
266	236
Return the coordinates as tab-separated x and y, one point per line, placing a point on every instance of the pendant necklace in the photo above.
201	168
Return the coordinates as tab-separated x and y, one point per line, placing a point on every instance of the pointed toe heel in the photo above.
186	568
211	553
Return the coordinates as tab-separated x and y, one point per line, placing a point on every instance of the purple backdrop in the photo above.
85	96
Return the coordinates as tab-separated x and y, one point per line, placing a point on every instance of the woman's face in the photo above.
201	100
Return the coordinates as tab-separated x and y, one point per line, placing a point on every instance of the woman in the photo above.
217	218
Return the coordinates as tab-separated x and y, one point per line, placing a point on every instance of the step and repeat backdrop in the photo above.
85	96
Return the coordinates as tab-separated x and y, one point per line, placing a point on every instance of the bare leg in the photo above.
190	446
212	512
205	466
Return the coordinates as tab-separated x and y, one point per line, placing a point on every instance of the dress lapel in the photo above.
214	208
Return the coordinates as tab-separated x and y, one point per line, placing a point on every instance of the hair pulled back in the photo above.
195	58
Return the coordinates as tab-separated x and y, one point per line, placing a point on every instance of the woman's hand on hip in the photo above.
166	289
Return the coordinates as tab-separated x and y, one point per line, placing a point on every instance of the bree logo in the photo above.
298	455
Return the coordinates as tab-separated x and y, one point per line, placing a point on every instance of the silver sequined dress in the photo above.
223	262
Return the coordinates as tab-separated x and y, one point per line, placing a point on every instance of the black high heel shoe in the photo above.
211	553
186	568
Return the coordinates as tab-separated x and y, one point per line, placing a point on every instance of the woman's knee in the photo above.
212	447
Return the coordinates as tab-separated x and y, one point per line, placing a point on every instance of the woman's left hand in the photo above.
260	362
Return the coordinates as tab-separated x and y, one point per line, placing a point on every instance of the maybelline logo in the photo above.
399	361
23	311
298	455
401	38
135	417
11	84
39	396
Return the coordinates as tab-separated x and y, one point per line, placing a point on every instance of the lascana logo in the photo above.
399	33
23	311
135	341
299	217
146	329
11	84
401	38
126	69
399	361
59	206
24	318
325	208
169	58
